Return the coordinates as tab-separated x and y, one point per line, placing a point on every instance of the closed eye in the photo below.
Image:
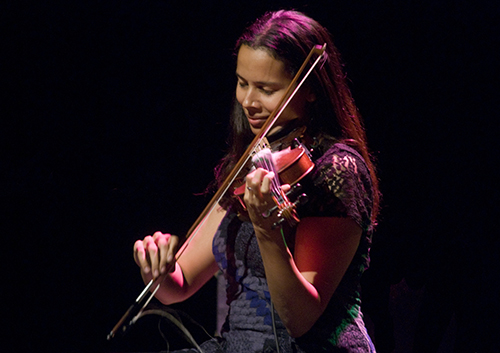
267	88
267	92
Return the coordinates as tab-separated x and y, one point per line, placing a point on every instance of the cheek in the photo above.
271	103
240	96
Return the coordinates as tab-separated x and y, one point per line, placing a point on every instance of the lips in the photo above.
256	122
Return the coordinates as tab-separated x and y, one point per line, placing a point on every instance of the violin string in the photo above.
264	159
275	181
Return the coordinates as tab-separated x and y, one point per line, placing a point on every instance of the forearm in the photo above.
297	301
301	286
173	288
194	261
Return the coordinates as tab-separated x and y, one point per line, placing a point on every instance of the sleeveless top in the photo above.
339	186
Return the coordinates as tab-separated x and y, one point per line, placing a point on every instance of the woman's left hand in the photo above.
258	199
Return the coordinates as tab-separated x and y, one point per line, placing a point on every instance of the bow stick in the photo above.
135	310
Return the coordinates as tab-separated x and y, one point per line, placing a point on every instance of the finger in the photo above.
152	254
250	184
162	243
254	180
173	245
140	256
168	250
266	183
158	235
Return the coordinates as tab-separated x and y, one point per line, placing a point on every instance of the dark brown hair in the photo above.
288	36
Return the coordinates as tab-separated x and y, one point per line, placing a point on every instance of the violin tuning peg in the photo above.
301	199
278	223
268	212
293	190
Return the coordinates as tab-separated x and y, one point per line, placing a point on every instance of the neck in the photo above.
285	137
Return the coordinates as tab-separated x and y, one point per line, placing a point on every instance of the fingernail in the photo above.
146	269
155	273
163	269
170	258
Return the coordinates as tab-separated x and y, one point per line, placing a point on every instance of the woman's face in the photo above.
262	82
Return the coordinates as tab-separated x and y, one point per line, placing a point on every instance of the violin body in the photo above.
292	165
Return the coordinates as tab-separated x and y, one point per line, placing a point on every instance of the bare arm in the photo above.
193	268
301	285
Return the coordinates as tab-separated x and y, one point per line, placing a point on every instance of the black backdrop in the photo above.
114	114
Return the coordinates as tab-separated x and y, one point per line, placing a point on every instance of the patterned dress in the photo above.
339	186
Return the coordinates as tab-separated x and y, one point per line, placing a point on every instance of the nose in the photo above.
250	100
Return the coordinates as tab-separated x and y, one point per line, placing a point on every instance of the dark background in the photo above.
114	114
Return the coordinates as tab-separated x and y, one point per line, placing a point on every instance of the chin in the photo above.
275	130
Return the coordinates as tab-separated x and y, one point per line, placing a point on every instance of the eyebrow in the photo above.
263	83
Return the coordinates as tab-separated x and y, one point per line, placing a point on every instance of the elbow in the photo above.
170	297
298	331
294	334
299	327
301	321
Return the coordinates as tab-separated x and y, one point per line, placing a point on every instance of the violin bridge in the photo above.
261	145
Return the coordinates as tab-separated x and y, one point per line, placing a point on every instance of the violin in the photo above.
290	164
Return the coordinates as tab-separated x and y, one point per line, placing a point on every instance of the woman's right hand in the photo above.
155	254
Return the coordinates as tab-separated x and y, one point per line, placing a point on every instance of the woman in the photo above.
311	272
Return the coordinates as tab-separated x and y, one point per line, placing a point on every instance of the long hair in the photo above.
288	36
